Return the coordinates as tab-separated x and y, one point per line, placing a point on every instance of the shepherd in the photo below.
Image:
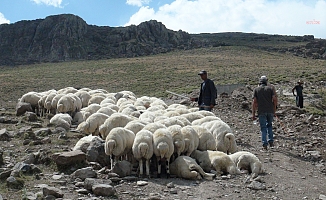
208	93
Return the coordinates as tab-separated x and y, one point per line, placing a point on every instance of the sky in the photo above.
281	17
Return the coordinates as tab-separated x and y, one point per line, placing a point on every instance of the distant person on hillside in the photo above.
299	96
208	93
264	99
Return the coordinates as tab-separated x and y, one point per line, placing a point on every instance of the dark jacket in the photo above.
207	93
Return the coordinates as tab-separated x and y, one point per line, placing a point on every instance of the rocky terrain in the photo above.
32	151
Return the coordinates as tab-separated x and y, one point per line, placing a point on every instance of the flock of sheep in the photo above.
191	144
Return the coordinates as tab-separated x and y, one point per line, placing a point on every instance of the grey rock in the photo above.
84	173
5	174
103	190
82	191
4	135
122	168
14	183
30	116
322	197
22	107
255	185
142	183
95	152
52	191
43	132
89	182
69	158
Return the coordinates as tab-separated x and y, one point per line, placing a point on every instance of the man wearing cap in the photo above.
208	93
265	100
299	97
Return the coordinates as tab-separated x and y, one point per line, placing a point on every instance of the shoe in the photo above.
265	146
271	144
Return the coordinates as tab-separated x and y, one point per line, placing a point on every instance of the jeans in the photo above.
266	128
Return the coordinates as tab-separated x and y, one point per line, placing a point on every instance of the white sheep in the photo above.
110	99
187	168
205	113
48	103
32	98
192	116
184	120
206	138
163	149
158	102
215	160
110	105
171	121
97	99
84	96
135	126
191	139
92	124
147	116
142	149
62	119
67	90
78	117
118	143
152	127
204	120
178	140
245	160
106	110
66	104
54	102
171	113
91	109
224	138
115	120
41	107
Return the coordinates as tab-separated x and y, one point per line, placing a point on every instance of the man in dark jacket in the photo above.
208	93
299	97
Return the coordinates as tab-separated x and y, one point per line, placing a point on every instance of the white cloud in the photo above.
3	20
259	16
55	3
138	3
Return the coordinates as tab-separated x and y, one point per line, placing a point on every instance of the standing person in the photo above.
208	93
264	99
270	85
299	97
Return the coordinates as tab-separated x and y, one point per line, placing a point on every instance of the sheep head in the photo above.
109	147
163	149
143	149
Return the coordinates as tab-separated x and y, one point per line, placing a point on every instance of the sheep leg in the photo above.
201	172
167	165
147	167
141	171
159	162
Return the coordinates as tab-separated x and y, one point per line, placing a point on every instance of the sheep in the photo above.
131	111
215	160
62	119
152	127
67	90
48	103
118	142
115	120
171	113
191	139
142	149
159	102
147	116
84	96
205	113
111	100
32	98
135	126
178	140
187	168
206	138
184	120
93	108
204	120
66	104
163	149
247	161
78	118
224	138
41	105
110	105
92	123
105	110
97	99
171	121
192	116
54	102
77	103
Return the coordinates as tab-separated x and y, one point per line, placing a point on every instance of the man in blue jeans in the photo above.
265	100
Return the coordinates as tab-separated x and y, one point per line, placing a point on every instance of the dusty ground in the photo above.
294	168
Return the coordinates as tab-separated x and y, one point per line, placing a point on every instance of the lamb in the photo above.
187	168
115	120
92	124
163	149
206	139
178	140
247	161
142	149
62	120
215	160
191	139
118	142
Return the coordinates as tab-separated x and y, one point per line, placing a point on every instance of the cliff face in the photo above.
68	37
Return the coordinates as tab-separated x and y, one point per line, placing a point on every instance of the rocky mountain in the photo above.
68	37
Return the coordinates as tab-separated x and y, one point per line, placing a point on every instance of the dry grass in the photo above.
152	75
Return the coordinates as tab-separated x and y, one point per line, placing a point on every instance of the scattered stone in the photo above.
322	197
4	135
84	173
122	168
130	178
30	116
23	107
69	158
52	191
15	183
43	132
82	191
255	185
103	190
89	182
